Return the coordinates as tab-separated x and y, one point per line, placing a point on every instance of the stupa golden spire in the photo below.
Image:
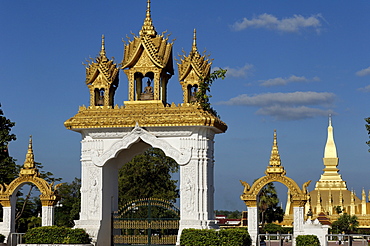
331	179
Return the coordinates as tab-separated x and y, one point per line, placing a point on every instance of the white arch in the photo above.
181	157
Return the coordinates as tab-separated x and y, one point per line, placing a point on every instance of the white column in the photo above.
91	202
47	213
197	184
298	222
8	224
253	224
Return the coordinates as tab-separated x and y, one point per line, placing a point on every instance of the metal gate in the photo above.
146	221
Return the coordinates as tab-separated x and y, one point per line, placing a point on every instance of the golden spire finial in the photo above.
102	51
275	156
194	48
275	161
29	162
148	28
102	54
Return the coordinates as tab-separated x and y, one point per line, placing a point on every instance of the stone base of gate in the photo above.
91	227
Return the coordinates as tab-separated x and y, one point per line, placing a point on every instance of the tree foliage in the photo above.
8	168
68	208
368	130
205	87
269	211
345	223
148	176
307	240
229	214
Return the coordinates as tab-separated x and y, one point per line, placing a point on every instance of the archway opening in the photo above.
147	192
148	175
28	212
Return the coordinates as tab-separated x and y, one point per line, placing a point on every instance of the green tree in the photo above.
368	130
205	87
338	209
8	168
148	175
269	211
345	223
68	208
229	214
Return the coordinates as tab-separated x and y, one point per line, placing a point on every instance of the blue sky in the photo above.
290	64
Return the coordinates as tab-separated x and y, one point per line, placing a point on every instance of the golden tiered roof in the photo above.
201	65
192	69
101	66
102	77
149	43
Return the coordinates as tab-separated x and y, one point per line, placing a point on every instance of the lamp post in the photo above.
58	205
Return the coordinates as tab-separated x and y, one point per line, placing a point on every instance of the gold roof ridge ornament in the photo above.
275	166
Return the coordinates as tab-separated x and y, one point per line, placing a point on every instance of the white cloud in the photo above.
287	106
293	98
293	113
285	81
363	72
292	24
242	72
365	89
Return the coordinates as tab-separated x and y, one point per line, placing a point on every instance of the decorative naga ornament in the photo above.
148	59
192	70
102	79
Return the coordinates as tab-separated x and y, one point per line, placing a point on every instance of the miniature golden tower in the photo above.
29	166
102	79
148	59
275	166
192	69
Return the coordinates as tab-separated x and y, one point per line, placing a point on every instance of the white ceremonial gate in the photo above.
112	135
